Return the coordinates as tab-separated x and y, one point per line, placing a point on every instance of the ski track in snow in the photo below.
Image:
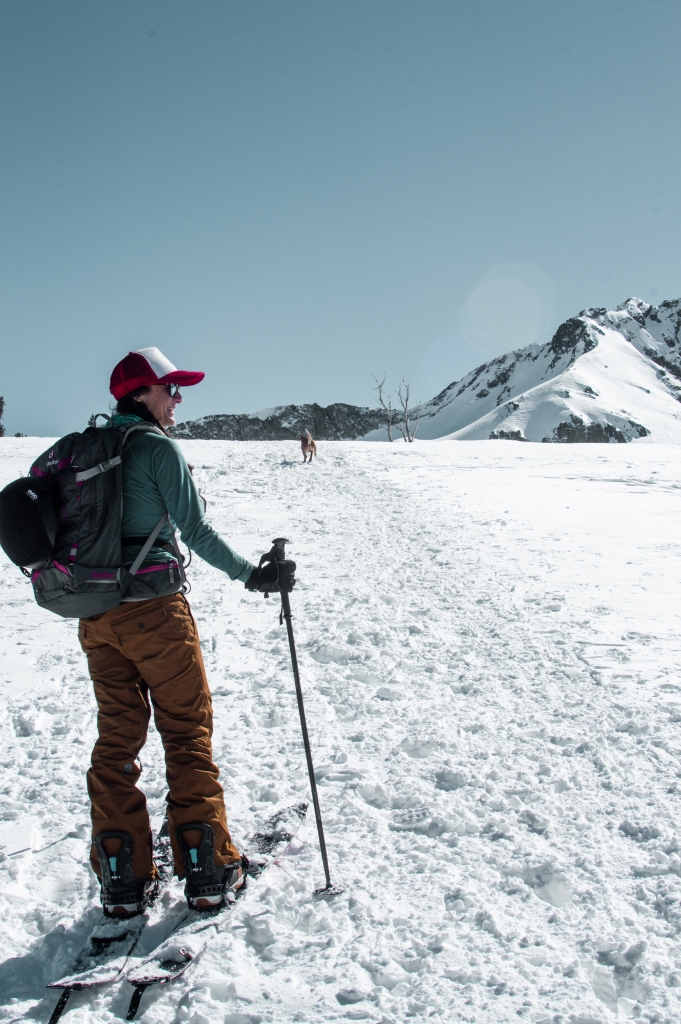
489	645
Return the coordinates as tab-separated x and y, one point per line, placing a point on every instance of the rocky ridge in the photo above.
337	422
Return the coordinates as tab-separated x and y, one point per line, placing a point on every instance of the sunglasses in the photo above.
172	389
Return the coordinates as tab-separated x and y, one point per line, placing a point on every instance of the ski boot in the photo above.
122	894
207	887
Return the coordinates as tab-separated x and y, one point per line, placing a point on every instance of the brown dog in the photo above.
307	444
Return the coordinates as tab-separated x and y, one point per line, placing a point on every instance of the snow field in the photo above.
488	636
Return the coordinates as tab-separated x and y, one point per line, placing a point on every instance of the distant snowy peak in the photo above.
606	375
653	330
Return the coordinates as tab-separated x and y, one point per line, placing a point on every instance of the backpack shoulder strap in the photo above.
148	428
165	518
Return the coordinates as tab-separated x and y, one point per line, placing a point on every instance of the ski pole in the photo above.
279	554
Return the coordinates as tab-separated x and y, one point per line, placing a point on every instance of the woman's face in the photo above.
159	403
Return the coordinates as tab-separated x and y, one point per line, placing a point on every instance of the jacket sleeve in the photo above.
181	498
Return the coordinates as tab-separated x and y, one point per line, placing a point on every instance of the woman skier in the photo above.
146	654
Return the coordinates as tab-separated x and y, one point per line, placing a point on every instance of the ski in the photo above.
172	958
106	951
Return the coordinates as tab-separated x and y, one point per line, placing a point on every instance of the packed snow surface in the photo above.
488	638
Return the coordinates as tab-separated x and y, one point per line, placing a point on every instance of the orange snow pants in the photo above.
143	655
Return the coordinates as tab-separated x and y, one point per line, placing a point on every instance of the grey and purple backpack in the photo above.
62	525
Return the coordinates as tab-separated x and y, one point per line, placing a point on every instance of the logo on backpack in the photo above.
32	494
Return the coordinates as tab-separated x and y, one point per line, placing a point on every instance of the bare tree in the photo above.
403	394
386	405
2	409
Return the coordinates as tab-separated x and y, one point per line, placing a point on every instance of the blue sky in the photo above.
293	195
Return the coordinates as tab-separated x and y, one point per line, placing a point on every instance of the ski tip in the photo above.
59	1008
298	811
135	1002
279	829
329	890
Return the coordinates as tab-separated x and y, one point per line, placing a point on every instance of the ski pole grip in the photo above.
285	577
279	548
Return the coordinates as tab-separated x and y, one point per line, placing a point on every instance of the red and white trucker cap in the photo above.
148	366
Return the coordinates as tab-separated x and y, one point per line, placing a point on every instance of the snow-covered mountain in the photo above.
606	375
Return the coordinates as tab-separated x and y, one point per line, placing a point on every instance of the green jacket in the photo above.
156	479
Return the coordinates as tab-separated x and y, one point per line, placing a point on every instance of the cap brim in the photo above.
185	378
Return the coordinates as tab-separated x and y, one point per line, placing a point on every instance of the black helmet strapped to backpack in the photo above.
28	522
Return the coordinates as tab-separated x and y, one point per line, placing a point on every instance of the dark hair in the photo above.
127	406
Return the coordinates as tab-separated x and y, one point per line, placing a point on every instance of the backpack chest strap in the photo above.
101	467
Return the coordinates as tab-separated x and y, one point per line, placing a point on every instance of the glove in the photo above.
264	578
272	577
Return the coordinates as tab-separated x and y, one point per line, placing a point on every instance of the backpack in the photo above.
62	526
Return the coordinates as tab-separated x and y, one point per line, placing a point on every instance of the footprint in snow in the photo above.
418	748
374	795
421	821
449	780
639	833
548	882
536	823
332	773
411	817
348	996
388	693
